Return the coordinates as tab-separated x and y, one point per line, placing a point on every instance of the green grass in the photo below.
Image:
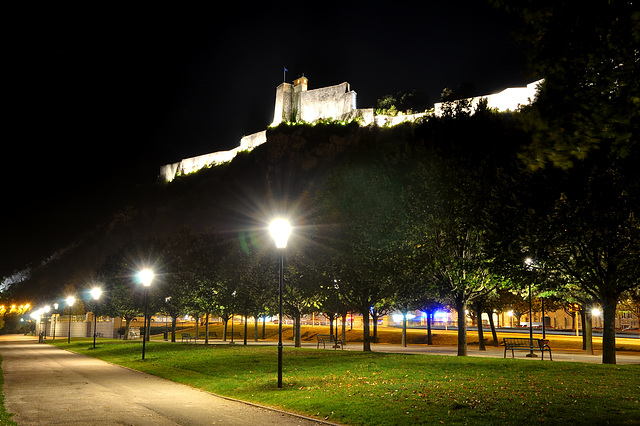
358	388
5	417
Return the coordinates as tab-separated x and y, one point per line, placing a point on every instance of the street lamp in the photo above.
70	301
280	230
531	354
145	277
95	293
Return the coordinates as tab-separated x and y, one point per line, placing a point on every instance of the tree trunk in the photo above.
255	329
481	346
331	324
587	331
461	306
375	326
245	330
429	319
264	327
344	328
225	324
297	339
206	329
195	335
174	324
493	329
404	329
127	327
609	330
366	338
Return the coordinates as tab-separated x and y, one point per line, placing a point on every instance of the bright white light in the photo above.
95	293
280	230
441	316
596	312
70	300
145	276
398	317
510	313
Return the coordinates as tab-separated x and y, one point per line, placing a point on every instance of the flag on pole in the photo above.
284	74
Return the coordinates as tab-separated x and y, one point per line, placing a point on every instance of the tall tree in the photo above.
589	103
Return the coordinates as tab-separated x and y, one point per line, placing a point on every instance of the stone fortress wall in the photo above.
294	102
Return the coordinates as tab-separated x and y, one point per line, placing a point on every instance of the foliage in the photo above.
415	100
589	103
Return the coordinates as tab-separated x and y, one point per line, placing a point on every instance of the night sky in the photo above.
99	98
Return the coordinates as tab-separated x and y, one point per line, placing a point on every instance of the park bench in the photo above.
329	338
134	334
523	344
186	336
212	335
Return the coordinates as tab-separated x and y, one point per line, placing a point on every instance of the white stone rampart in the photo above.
392	120
509	99
168	172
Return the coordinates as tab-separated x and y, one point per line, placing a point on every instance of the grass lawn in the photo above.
5	418
358	388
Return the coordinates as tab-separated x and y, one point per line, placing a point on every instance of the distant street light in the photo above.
70	301
145	276
280	230
95	293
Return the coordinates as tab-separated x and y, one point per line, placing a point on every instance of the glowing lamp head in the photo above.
95	293
280	231
70	300
146	276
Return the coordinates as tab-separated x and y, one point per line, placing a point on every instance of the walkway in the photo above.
47	385
569	355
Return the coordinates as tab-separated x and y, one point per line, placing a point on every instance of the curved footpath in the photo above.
45	385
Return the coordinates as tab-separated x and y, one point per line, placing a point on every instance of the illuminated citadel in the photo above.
296	103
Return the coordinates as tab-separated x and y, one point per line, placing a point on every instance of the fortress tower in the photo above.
294	102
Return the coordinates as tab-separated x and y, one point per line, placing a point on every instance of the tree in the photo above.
445	207
595	236
589	103
357	218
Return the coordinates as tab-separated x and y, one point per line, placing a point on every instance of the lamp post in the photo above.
70	301
280	230
145	276
95	293
531	354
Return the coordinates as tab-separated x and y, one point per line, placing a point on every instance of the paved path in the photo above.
45	385
569	355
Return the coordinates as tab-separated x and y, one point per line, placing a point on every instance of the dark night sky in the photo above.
101	97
